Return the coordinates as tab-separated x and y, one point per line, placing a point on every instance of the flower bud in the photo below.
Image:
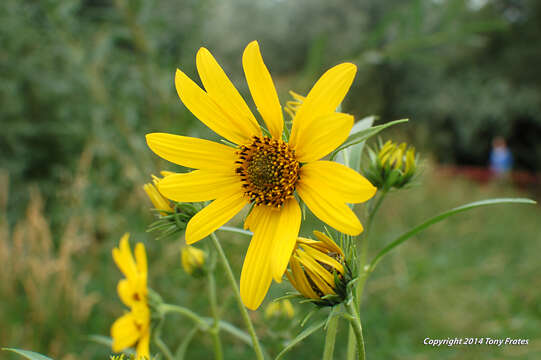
157	199
391	165
193	260
280	309
318	270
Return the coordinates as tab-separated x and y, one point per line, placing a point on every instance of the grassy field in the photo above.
475	275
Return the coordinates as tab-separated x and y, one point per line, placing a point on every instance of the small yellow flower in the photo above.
133	328
280	309
314	266
265	171
157	199
192	260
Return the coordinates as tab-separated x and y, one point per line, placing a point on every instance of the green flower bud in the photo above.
391	165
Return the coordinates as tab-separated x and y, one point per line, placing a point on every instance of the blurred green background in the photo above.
82	82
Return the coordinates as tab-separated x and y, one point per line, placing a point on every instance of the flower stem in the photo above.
330	337
355	322
159	342
215	331
243	311
168	308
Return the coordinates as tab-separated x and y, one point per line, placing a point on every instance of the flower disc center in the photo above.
268	170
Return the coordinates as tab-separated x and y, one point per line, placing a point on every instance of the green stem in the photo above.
168	308
361	264
355	322
330	337
215	331
243	311
159	342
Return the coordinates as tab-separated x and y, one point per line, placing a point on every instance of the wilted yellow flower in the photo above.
392	165
157	199
263	170
314	267
281	308
133	328
192	260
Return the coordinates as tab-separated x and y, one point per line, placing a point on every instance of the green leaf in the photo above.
351	156
303	335
28	354
441	217
363	135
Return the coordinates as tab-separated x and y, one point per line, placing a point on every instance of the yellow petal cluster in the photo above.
133	328
314	264
280	309
262	167
192	259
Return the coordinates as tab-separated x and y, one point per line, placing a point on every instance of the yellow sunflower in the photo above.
133	328
262	169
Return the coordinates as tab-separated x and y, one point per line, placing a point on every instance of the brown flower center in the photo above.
268	170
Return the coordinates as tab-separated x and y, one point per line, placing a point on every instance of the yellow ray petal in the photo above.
324	98
286	229
256	275
262	89
124	332
328	208
331	245
223	92
124	259
208	111
319	282
126	292
143	346
199	185
303	285
214	215
322	135
314	267
192	152
323	258
345	183
141	262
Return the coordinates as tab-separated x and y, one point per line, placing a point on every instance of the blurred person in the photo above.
501	160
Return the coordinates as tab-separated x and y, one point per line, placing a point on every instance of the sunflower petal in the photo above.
126	292
214	215
256	276
322	135
124	332
328	208
124	259
335	178
286	225
143	346
262	89
199	185
192	152
223	92
324	97
208	111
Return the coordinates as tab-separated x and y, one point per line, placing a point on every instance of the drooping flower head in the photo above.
132	328
318	270
264	170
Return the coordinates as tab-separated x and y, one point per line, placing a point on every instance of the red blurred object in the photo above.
484	175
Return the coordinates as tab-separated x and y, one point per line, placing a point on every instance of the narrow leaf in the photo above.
441	217
363	135
303	335
28	354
